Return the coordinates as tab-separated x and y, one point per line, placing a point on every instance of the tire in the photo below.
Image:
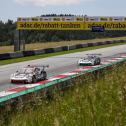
34	79
99	62
44	75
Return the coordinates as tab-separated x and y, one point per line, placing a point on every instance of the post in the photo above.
22	45
85	16
68	48
19	39
16	41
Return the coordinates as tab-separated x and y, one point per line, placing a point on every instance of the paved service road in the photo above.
58	64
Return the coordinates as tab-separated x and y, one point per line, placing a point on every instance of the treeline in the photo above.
8	31
50	36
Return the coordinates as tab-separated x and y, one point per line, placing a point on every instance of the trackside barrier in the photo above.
28	88
12	55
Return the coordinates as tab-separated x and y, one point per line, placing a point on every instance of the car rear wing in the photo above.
95	54
43	66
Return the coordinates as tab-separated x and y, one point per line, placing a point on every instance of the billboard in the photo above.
50	25
106	25
109	23
71	23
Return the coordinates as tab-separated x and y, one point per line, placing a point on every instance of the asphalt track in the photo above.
57	64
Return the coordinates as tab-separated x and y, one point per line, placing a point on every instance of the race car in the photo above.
29	74
90	59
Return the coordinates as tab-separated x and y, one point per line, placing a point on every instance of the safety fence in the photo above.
12	55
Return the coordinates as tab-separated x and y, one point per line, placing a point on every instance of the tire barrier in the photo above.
39	51
101	43
57	49
28	53
78	46
72	47
84	45
5	56
109	42
92	44
12	55
122	41
16	55
49	50
65	48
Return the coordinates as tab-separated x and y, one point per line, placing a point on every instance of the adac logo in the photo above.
19	19
34	19
118	19
103	19
110	19
80	19
67	19
41	19
56	19
24	19
87	19
47	19
92	19
63	19
27	19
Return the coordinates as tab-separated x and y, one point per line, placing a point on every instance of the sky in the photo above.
11	9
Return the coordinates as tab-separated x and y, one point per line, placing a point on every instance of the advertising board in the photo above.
71	23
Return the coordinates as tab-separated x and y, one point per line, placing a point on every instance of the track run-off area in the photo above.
57	64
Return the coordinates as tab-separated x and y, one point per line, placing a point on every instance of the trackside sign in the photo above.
51	25
71	23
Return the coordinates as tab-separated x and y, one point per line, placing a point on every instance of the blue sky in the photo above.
11	9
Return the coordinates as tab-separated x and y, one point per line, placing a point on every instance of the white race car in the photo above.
29	74
91	59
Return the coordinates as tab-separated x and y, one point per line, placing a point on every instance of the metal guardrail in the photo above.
42	86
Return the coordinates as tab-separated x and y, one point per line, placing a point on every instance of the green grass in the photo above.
9	61
91	102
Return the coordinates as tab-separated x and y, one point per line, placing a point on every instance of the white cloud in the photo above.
51	2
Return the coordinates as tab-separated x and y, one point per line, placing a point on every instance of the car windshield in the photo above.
90	57
26	70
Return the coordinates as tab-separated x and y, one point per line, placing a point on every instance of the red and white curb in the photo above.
60	76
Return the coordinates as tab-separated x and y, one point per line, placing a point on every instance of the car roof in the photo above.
91	56
30	67
36	66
